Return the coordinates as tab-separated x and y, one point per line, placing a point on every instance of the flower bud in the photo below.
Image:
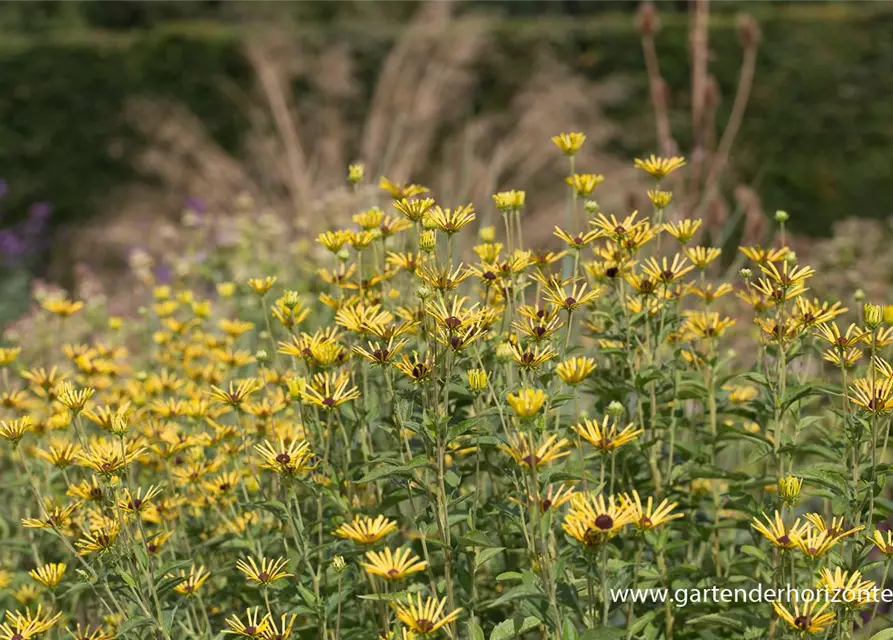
355	173
338	564
789	489
781	216
487	234
423	292
745	273
261	355
591	206
615	409
873	315
858	295
503	352
477	380
343	255
428	241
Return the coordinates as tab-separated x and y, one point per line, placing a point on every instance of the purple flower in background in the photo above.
163	274
11	244
194	204
40	211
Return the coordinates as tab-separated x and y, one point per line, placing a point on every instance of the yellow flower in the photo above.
100	539
814	543
74	399
661	199
848	588
393	565
442	278
424	618
24	626
701	257
478	380
875	396
378	353
527	402
399	190
526	453
138	502
604	438
837	529
577	241
365	530
883	541
584	184
15	430
532	358
665	271
62	307
255	627
226	289
192	581
414	209
574	370
577	297
97	633
830	333
261	286
281	632
659	167
776	532
705	326
684	230
49	575
329	390
789	489
108	458
452	220
810	618
60	454
507	201
268	572
355	172
416	370
592	520
8	355
569	143
648	516
237	393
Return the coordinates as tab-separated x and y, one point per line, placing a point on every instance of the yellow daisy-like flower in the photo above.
255	626
415	369
584	183
378	353
605	438
8	355
814	543
99	540
660	199
452	220
88	633
107	458
684	230
235	328
577	241
532	358
701	257
830	333
290	459
369	219
848	588
192	581
527	453
762	256
15	430
648	516
667	272
527	402
24	626
74	399
393	565
789	489
507	201
592	520
875	396
282	631
571	301
569	143
659	167
62	307
399	190
329	390
268	572
837	527
261	286
809	618
49	575
424	618
414	209
443	278
365	530
883	542
138	502
478	379
574	370
355	172
237	393
705	326
776	532
333	240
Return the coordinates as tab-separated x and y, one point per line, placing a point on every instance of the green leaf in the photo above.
716	618
508	575
505	629
604	633
134	623
640	623
388	470
886	634
485	555
759	554
127	578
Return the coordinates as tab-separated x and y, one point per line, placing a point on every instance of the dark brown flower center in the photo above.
263	576
784	539
283	458
452	322
329	402
570	301
612	272
801	622
424	626
604	522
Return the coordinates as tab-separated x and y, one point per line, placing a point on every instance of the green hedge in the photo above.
815	140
